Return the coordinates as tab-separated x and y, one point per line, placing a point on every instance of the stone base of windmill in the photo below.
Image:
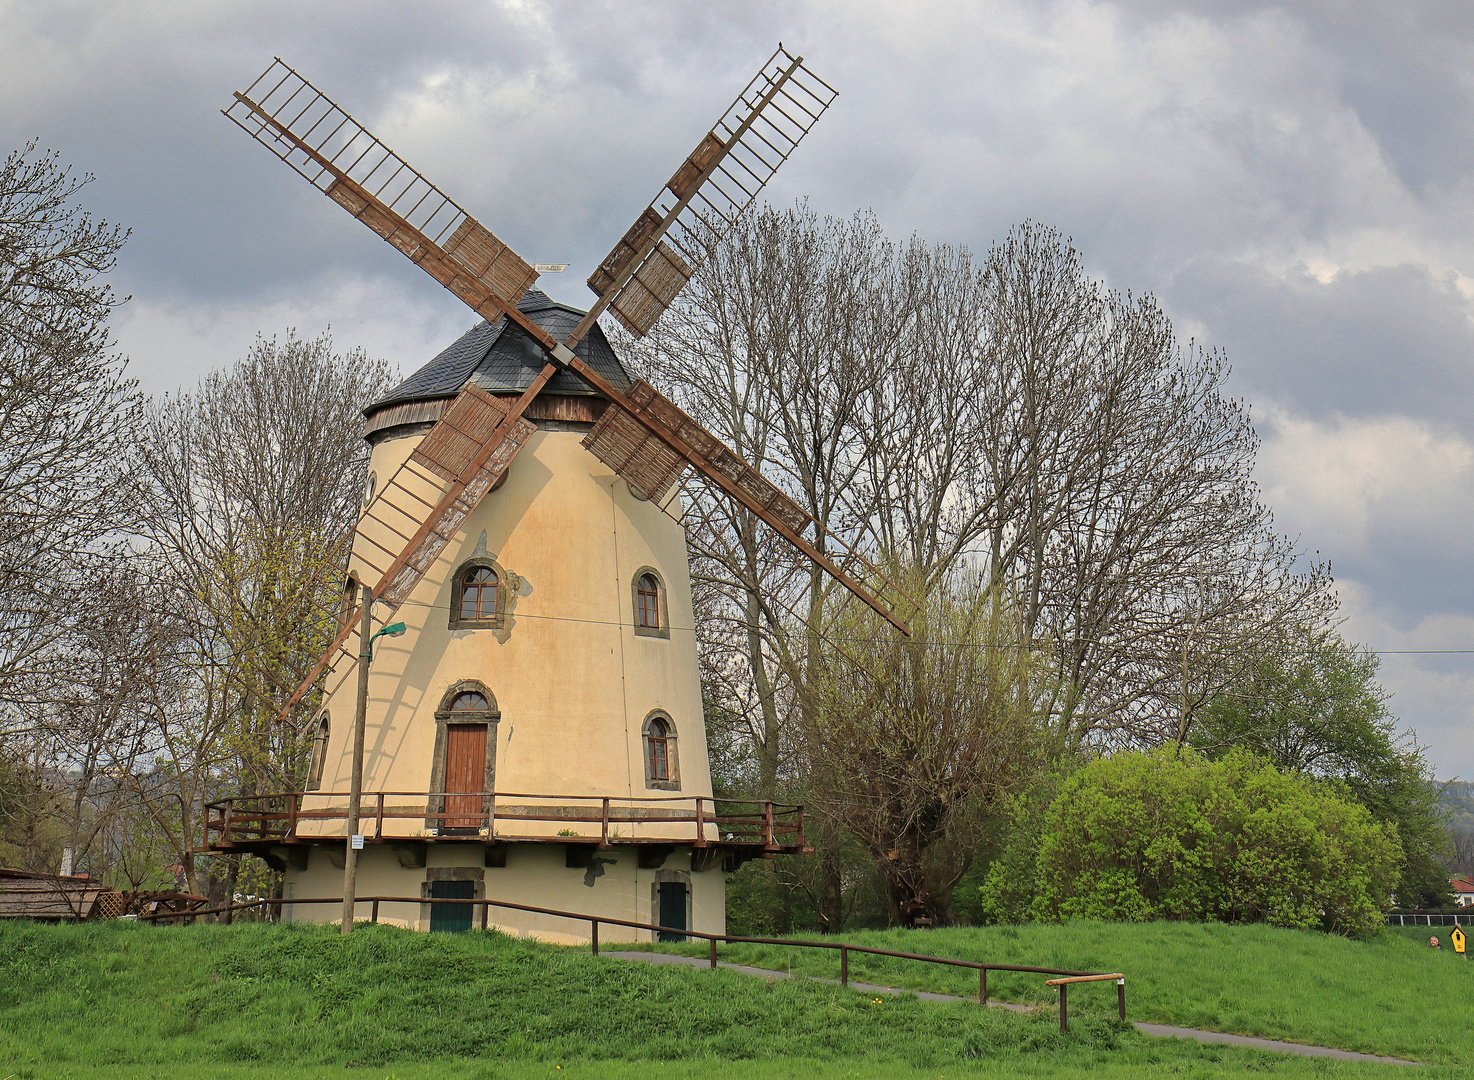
676	887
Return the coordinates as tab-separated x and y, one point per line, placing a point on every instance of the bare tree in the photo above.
1463	844
68	417
252	491
1014	416
1125	514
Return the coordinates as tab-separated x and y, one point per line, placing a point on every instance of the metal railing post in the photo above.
844	966
604	829
713	942
594	941
1064	1008
982	985
485	914
1121	998
374	916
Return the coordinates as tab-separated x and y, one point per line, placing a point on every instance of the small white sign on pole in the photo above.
357	842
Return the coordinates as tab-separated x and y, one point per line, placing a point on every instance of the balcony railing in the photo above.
295	817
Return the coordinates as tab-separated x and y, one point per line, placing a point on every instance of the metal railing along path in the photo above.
1065	977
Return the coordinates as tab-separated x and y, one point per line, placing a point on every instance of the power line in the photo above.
911	641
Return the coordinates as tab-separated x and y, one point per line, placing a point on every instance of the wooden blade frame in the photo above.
714	185
337	155
341	158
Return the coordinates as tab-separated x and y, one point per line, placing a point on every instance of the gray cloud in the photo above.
1390	339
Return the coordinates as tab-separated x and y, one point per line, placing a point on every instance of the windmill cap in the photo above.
500	358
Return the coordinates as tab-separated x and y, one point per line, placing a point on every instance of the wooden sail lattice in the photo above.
650	465
709	192
649	441
410	518
348	163
405	527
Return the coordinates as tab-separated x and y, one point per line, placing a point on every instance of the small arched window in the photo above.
478	594
659	744
661	769
319	754
647	591
469	701
478	600
651	619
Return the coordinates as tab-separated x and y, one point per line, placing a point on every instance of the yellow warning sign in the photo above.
1457	937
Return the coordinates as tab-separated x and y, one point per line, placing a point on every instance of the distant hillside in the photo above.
1458	799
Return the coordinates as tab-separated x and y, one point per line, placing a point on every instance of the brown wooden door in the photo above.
465	771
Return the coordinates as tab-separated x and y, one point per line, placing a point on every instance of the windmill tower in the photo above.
533	733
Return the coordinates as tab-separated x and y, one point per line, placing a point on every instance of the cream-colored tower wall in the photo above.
571	678
535	874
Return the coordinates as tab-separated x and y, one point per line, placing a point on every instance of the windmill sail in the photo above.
699	205
411	518
649	441
644	437
345	161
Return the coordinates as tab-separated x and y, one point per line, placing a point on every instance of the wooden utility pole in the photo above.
360	719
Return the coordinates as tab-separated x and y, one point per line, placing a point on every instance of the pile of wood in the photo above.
162	903
52	897
24	895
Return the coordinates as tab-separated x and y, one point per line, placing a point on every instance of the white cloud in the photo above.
1432	692
174	344
1336	482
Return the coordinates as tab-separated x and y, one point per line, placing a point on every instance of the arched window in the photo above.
647	593
469	701
478	594
651	618
658	739
478	600
660	753
319	754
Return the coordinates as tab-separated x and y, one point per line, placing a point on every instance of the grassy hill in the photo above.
123	1001
1388	995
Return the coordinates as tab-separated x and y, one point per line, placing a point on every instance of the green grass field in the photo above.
122	1001
1389	995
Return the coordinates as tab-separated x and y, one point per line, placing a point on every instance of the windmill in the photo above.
432	494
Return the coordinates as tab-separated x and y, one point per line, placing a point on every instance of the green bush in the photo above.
1174	835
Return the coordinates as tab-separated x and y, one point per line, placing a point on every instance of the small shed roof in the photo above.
500	358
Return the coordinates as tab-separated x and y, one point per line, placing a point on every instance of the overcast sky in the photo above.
1294	181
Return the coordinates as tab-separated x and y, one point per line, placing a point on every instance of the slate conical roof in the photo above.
500	358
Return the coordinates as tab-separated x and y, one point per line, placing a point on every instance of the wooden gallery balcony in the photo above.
732	830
